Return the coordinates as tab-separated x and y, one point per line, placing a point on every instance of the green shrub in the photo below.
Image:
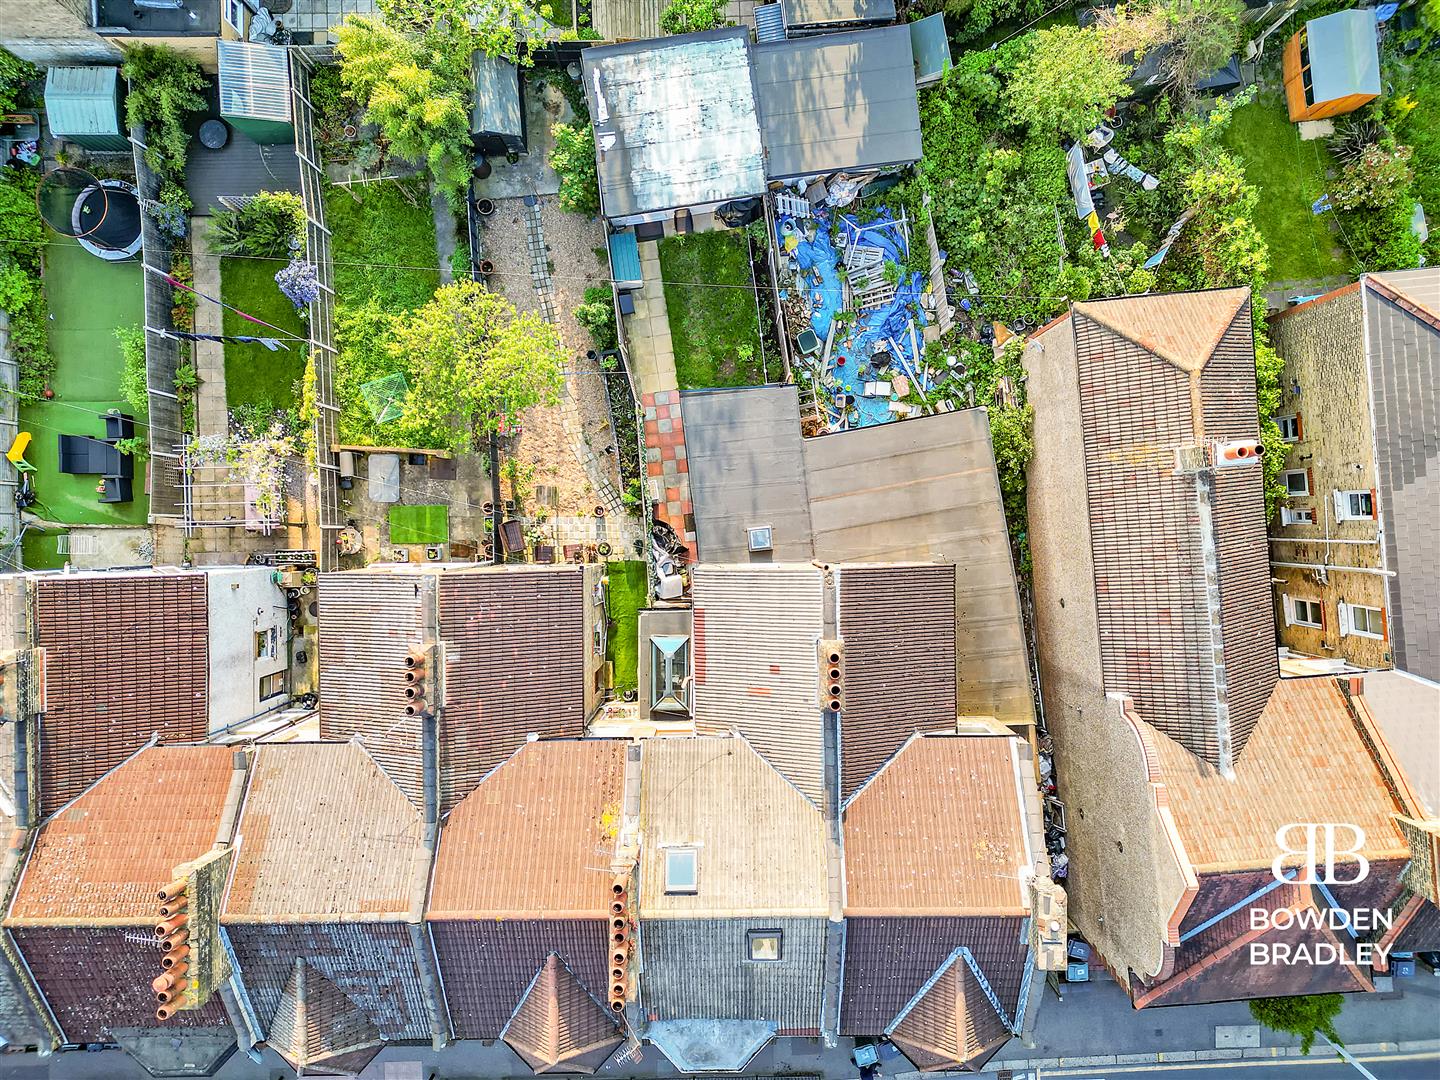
15	77
597	315
165	88
574	159
133	384
22	239
692	16
271	225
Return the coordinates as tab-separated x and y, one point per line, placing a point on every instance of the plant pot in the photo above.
484	207
599	511
351	131
487	267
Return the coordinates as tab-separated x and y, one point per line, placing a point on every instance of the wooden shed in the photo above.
1332	66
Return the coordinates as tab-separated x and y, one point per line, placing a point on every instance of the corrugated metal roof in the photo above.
921	490
83	101
106	857
761	843
940	831
127	657
837	101
1344	54
1306	761
831	12
755	632
675	122
349	847
559	1026
769	22
1403	356
254	80
536	839
497	97
898	625
625	258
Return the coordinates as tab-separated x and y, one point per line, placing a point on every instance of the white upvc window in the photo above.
235	14
1289	427
1297	482
1297	515
1362	621
1302	611
1354	506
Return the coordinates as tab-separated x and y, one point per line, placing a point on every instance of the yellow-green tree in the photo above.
1064	81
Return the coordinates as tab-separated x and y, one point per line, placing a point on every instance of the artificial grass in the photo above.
419	524
89	298
1290	175
40	550
62	497
380	237
628	590
710	296
253	374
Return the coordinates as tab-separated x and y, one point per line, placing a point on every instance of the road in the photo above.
1319	1066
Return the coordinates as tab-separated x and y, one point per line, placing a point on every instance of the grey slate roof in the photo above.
497	107
833	12
675	122
1402	320
1344	54
838	101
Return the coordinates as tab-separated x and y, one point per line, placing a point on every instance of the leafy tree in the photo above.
505	28
1064	81
165	88
1304	1017
574	159
14	75
1013	439
22	239
692	16
473	362
1205	34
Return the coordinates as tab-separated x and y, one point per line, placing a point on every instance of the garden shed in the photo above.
255	90
497	119
804	17
83	106
1332	66
930	43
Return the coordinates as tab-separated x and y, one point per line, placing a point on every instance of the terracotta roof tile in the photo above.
1182	328
103	859
952	1023
559	1026
536	838
940	831
325	834
1306	761
318	1029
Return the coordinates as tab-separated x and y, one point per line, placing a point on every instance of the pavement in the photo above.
1093	1034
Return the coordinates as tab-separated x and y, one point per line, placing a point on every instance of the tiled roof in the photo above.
1181	328
126	657
898	625
325	834
1402	323
559	1026
105	857
1146	390
1306	761
951	1024
761	844
755	629
536	839
319	1030
940	830
1405	709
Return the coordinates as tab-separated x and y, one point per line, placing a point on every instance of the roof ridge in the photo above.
1187	355
1403	300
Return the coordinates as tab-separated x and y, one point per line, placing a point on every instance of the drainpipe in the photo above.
495	498
22	773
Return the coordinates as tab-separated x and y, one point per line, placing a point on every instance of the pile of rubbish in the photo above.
856	313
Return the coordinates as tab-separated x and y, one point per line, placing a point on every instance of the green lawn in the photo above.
379	237
419	524
40	550
253	374
711	326
627	595
1290	175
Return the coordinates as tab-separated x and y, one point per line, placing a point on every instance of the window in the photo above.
265	643
1297	515
272	685
1301	612
1289	427
235	14
670	674
682	869
1297	482
763	945
1362	621
1354	505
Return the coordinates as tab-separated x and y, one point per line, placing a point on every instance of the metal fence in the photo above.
162	355
322	311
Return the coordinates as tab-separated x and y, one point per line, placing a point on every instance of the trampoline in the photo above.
104	215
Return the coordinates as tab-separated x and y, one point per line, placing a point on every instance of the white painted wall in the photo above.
243	601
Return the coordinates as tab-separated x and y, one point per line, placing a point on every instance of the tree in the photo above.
1063	82
1205	35
1380	177
14	75
504	28
692	16
165	88
1304	1017
473	363
574	159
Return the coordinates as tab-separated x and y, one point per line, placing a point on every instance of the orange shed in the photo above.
1332	66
